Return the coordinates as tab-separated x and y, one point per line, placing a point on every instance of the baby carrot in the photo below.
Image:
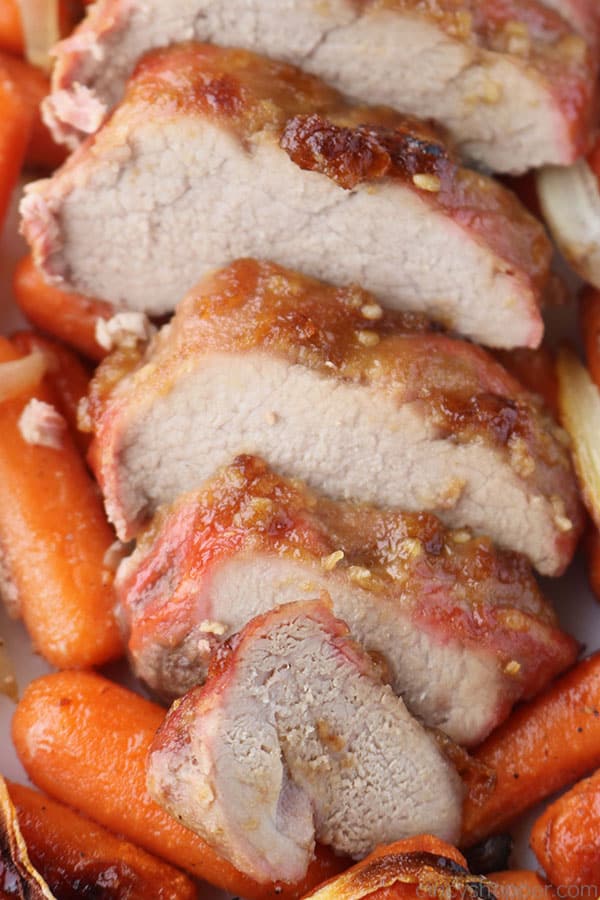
67	376
70	317
545	745
74	855
15	130
54	536
84	740
11	29
519	885
566	837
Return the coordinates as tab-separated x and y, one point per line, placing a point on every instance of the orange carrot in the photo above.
15	130
74	855
69	317
84	740
519	885
11	29
590	330
546	744
42	151
536	370
54	536
566	837
67	376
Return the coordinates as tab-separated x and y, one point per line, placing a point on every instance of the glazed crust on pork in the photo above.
461	628
323	384
294	738
511	80
216	154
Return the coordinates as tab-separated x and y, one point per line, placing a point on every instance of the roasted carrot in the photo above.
566	837
54	536
536	370
70	317
74	855
42	151
519	885
11	28
590	330
67	376
84	740
546	744
15	130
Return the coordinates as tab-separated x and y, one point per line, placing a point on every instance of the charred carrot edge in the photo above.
67	376
68	849
545	745
11	29
42	151
519	885
535	370
15	130
69	317
54	537
589	313
84	740
566	837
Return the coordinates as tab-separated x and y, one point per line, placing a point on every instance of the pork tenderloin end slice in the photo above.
511	80
294	738
217	153
461	628
324	385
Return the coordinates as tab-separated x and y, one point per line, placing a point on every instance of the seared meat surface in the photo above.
216	154
323	384
439	608
511	80
294	737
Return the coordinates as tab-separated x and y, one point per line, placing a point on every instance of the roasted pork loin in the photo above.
461	627
324	385
216	154
511	80
294	738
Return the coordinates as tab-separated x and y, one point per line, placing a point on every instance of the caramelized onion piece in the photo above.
41	27
21	375
579	402
16	869
8	682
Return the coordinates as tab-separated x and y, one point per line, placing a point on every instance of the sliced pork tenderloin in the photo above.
461	627
512	81
324	385
216	154
294	738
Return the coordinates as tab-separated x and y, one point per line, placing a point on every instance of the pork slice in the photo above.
511	80
295	738
216	154
461	627
324	385
582	15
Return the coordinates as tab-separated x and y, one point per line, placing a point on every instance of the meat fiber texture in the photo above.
324	385
460	627
216	154
512	80
294	738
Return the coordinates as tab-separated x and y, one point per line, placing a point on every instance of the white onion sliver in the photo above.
21	375
41	27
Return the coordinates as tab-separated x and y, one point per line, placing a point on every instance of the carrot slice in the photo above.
74	855
54	536
67	376
84	740
546	744
566	837
519	885
11	27
70	317
15	130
